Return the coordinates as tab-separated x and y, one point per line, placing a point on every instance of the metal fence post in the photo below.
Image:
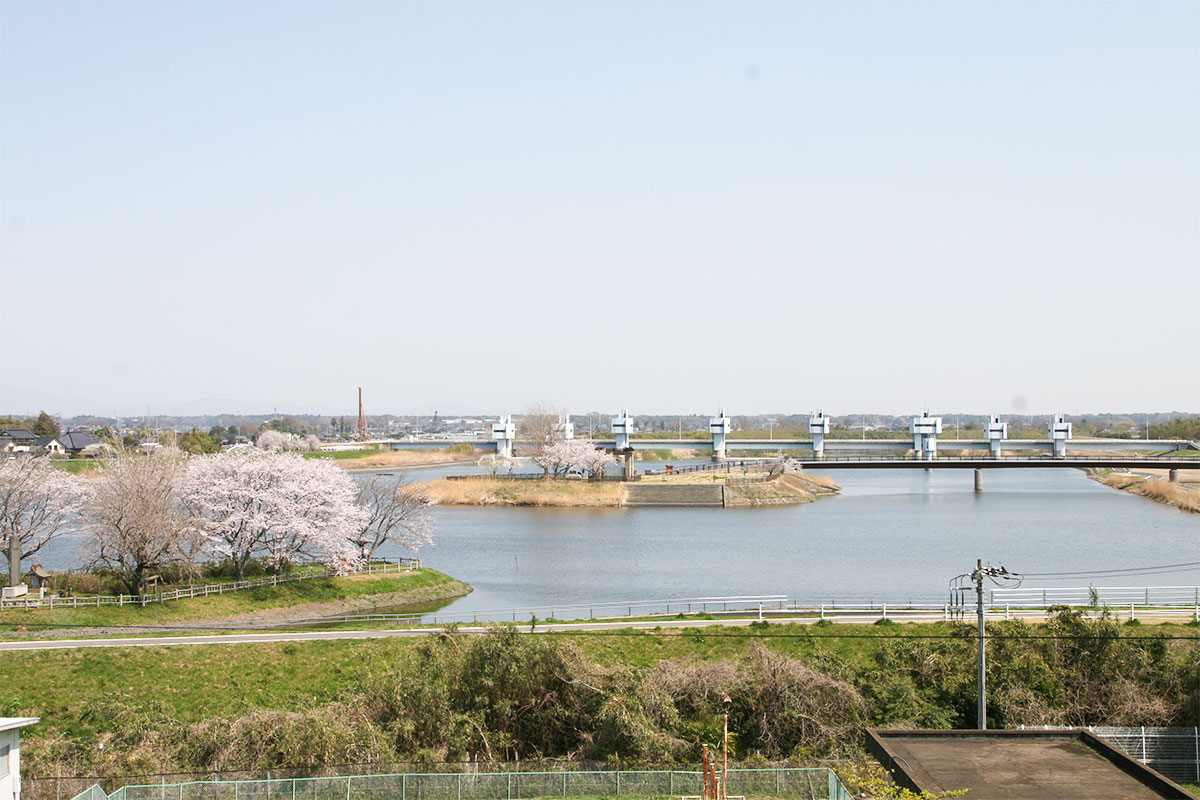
347	787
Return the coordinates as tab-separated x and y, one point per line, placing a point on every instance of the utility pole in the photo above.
981	658
977	576
726	701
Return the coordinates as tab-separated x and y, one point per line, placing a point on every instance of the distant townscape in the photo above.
84	436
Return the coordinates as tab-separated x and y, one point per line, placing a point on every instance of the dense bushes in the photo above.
508	696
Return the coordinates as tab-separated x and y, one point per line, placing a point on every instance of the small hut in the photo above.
37	577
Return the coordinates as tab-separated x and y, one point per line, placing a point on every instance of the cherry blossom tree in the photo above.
395	513
37	503
593	460
561	457
135	516
277	505
275	441
495	463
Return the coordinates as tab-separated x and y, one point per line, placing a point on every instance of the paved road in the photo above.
309	636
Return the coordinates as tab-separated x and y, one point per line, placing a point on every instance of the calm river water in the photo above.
894	534
889	535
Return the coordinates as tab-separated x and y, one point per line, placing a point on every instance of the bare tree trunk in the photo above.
14	559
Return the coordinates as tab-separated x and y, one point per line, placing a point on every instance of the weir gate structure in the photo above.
995	450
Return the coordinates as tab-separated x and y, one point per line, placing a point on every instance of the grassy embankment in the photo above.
800	692
311	597
1154	488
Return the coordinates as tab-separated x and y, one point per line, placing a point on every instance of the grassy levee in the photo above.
311	597
800	692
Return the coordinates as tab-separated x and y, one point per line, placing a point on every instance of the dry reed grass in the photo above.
540	493
402	458
1158	489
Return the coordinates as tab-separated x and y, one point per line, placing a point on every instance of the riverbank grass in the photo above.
313	595
562	493
1160	489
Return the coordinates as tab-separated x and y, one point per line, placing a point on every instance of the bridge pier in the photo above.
978	480
1173	475
630	470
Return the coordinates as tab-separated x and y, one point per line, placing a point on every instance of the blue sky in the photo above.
668	206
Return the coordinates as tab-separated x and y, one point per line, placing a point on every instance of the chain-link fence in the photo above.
1175	752
812	783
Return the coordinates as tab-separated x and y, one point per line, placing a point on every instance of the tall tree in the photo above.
395	513
136	518
538	428
273	504
46	426
37	503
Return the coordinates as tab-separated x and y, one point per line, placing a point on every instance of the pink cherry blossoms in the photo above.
564	456
275	505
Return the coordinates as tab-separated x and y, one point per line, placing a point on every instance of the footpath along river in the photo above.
889	536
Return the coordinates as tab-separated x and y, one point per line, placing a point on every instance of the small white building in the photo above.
10	755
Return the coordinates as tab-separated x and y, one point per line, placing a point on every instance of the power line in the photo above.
1123	571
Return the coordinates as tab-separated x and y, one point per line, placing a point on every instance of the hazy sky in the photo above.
236	206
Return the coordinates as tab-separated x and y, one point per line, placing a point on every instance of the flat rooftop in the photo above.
1017	765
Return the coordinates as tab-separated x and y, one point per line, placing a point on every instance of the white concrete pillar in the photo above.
1060	434
623	427
719	426
925	430
818	427
504	433
564	428
995	432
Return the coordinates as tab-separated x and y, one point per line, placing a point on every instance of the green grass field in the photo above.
194	682
423	583
342	455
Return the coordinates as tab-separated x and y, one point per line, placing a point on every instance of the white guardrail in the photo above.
52	601
762	607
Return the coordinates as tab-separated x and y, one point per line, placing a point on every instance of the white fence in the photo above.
198	589
1101	595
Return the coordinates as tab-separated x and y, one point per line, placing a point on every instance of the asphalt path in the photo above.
558	627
